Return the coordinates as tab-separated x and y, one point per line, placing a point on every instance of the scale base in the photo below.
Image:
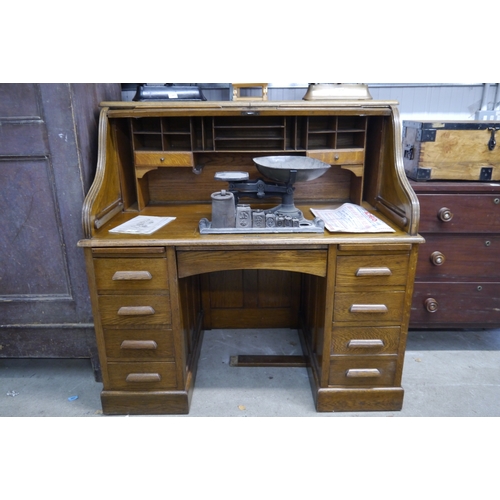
315	226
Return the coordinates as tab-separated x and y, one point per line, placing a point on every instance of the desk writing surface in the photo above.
183	231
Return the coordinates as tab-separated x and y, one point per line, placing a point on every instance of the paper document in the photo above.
350	218
142	224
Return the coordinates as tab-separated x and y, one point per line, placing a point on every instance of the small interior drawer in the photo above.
365	340
339	156
141	376
139	344
134	311
114	275
362	371
163	159
360	270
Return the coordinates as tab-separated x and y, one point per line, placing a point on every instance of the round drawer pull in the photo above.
445	214
479	288
496	201
487	243
437	258
431	305
162	159
336	157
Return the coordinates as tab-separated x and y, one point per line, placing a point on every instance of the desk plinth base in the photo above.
145	403
346	400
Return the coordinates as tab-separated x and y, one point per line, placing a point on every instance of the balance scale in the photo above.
230	216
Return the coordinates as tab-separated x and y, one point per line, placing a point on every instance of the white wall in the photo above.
443	101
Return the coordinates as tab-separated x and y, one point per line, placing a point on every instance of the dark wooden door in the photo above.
48	150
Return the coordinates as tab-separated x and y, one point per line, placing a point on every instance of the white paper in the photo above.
142	224
351	218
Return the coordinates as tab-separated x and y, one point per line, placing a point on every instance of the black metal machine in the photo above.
168	92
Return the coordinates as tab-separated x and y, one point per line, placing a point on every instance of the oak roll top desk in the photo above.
348	295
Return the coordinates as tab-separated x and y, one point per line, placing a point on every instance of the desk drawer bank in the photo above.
154	296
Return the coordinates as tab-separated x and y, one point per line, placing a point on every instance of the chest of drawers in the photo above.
457	283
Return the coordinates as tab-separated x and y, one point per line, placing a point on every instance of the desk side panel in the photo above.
386	185
104	198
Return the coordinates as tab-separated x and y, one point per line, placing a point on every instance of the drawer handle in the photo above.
363	372
445	214
373	271
143	377
135	311
132	275
437	258
368	308
431	305
366	343
139	344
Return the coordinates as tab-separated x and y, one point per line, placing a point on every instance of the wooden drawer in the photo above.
462	213
463	304
372	270
203	261
365	340
138	376
459	257
339	156
114	275
163	159
369	306
347	371
134	311
139	344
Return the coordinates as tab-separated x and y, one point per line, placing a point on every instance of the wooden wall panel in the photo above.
31	268
251	299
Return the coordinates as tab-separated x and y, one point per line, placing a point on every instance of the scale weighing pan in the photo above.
278	168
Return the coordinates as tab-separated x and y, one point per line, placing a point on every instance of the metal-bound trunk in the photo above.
464	150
